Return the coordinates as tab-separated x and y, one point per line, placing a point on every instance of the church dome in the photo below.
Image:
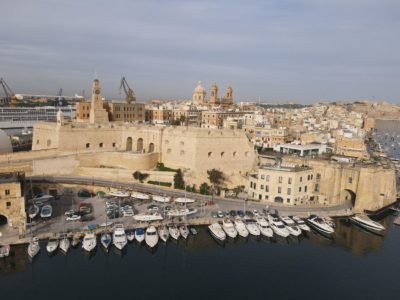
199	88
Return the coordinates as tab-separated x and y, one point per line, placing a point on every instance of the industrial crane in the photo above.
129	94
9	94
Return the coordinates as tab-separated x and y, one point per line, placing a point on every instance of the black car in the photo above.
240	213
232	213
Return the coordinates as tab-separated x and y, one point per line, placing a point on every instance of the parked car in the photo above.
73	217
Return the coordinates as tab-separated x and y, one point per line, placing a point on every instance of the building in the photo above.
199	94
301	150
215	119
270	137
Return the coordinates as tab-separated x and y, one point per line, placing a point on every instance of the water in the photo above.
354	264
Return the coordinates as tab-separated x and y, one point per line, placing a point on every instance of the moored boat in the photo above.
33	211
139	234
4	250
33	247
174	232
300	222
52	245
64	244
241	228
119	237
89	242
252	227
365	222
229	228
264	227
291	226
163	233
277	226
151	236
320	225
46	211
184	231
105	240
217	231
130	235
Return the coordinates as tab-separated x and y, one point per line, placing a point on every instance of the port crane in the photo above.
9	94
129	94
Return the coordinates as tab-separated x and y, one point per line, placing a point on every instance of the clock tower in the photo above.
97	113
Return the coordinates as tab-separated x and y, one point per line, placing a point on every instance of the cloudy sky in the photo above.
281	50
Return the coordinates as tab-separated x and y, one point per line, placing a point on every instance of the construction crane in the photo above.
129	94
9	94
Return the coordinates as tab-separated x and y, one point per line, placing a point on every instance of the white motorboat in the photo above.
75	240
33	247
148	217
130	235
264	227
328	220
241	228
184	200
140	196
163	233
162	199
320	225
217	231
365	222
89	242
5	250
277	226
33	211
139	234
151	236
46	211
106	240
252	227
229	228
174	232
64	244
300	222
119	237
181	212
291	226
184	231
120	194
52	245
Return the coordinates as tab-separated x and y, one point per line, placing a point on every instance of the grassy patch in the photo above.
161	183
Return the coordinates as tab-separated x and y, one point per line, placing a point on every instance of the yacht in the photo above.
64	244
300	222
365	222
264	227
329	221
277	226
33	211
217	231
139	234
181	212
89	242
184	200
291	226
151	236
229	228
140	196
163	233
130	235
106	240
33	247
119	237
174	232
119	194
320	225
184	231
252	227
52	245
148	217
46	211
161	199
241	228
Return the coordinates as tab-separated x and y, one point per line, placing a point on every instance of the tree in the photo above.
179	183
140	176
204	189
216	177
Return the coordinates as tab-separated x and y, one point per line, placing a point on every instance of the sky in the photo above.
277	51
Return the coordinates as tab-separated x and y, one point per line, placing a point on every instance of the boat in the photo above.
130	235
46	212
320	225
229	228
193	230
174	232
241	228
162	199
140	196
365	222
184	231
52	245
264	227
148	217
277	226
329	221
119	194
89	242
184	200
163	233
33	247
252	227
151	236
33	211
42	198
64	244
4	250
300	222
75	240
217	232
396	221
291	226
181	212
119	237
105	240
139	234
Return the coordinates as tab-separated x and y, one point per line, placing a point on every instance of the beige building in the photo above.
351	146
199	94
215	119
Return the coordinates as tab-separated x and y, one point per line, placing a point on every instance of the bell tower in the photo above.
214	94
97	113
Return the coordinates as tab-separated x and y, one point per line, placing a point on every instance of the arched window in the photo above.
209	154
222	154
87	145
101	145
234	153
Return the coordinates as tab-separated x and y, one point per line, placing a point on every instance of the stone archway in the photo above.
348	195
151	148
129	144
278	199
139	145
3	220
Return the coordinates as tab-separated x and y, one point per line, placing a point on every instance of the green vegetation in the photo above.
179	183
140	176
191	188
161	167
161	183
204	189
